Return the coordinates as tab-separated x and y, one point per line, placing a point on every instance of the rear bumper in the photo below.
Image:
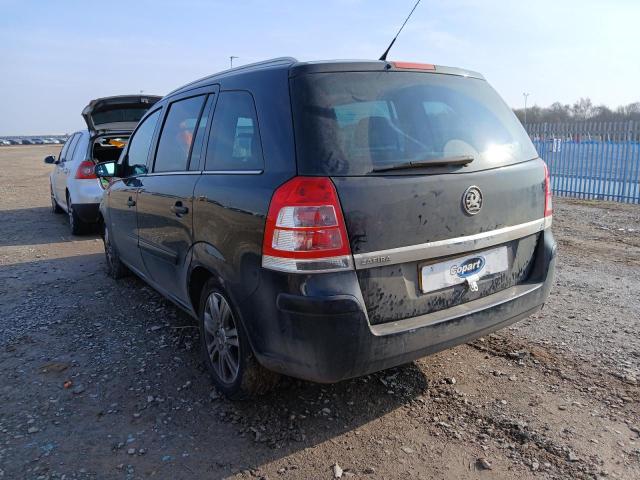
86	194
88	212
327	337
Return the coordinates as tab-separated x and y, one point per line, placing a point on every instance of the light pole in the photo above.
525	95
231	60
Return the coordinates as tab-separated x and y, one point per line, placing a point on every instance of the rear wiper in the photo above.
436	162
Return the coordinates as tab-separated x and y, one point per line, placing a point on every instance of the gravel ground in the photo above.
102	379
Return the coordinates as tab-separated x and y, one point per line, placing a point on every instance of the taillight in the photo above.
305	230
86	170
548	207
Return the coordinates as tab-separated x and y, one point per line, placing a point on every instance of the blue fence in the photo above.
591	160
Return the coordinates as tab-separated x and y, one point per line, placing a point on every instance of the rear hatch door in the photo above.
472	209
118	113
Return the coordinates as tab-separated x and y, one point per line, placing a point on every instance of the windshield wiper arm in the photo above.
436	162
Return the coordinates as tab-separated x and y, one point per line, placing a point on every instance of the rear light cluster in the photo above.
548	207
86	170
305	230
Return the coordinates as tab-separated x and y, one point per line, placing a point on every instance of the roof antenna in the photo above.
384	55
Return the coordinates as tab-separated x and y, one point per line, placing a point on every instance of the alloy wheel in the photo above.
221	338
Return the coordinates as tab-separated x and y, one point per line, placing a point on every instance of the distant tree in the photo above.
534	114
559	112
632	111
602	112
582	110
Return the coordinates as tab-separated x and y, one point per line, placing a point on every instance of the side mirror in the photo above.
105	169
50	159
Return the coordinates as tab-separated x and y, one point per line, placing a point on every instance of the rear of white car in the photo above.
75	189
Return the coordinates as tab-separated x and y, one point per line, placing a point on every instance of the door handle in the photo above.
179	209
131	202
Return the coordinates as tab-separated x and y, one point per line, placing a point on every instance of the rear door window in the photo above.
177	134
198	141
234	141
140	143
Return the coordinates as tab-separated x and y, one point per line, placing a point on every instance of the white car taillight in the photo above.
86	170
305	230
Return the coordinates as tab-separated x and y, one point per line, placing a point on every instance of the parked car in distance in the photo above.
330	219
4	142
26	141
74	186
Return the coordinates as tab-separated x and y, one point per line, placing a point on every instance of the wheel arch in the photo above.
198	278
206	263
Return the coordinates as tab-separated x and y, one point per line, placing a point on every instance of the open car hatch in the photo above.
119	113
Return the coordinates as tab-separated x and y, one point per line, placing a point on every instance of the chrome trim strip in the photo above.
233	172
160	174
198	172
464	309
291	265
450	246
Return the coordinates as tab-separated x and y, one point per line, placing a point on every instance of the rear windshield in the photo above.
120	114
351	123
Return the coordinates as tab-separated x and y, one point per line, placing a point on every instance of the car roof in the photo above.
296	67
376	66
275	63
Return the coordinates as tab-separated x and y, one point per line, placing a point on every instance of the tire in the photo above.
76	224
115	268
55	208
226	351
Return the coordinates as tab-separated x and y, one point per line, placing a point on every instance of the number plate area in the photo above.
468	269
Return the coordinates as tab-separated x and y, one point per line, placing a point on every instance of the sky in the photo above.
56	56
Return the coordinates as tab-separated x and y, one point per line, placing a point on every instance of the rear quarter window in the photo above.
80	150
65	148
72	146
234	141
